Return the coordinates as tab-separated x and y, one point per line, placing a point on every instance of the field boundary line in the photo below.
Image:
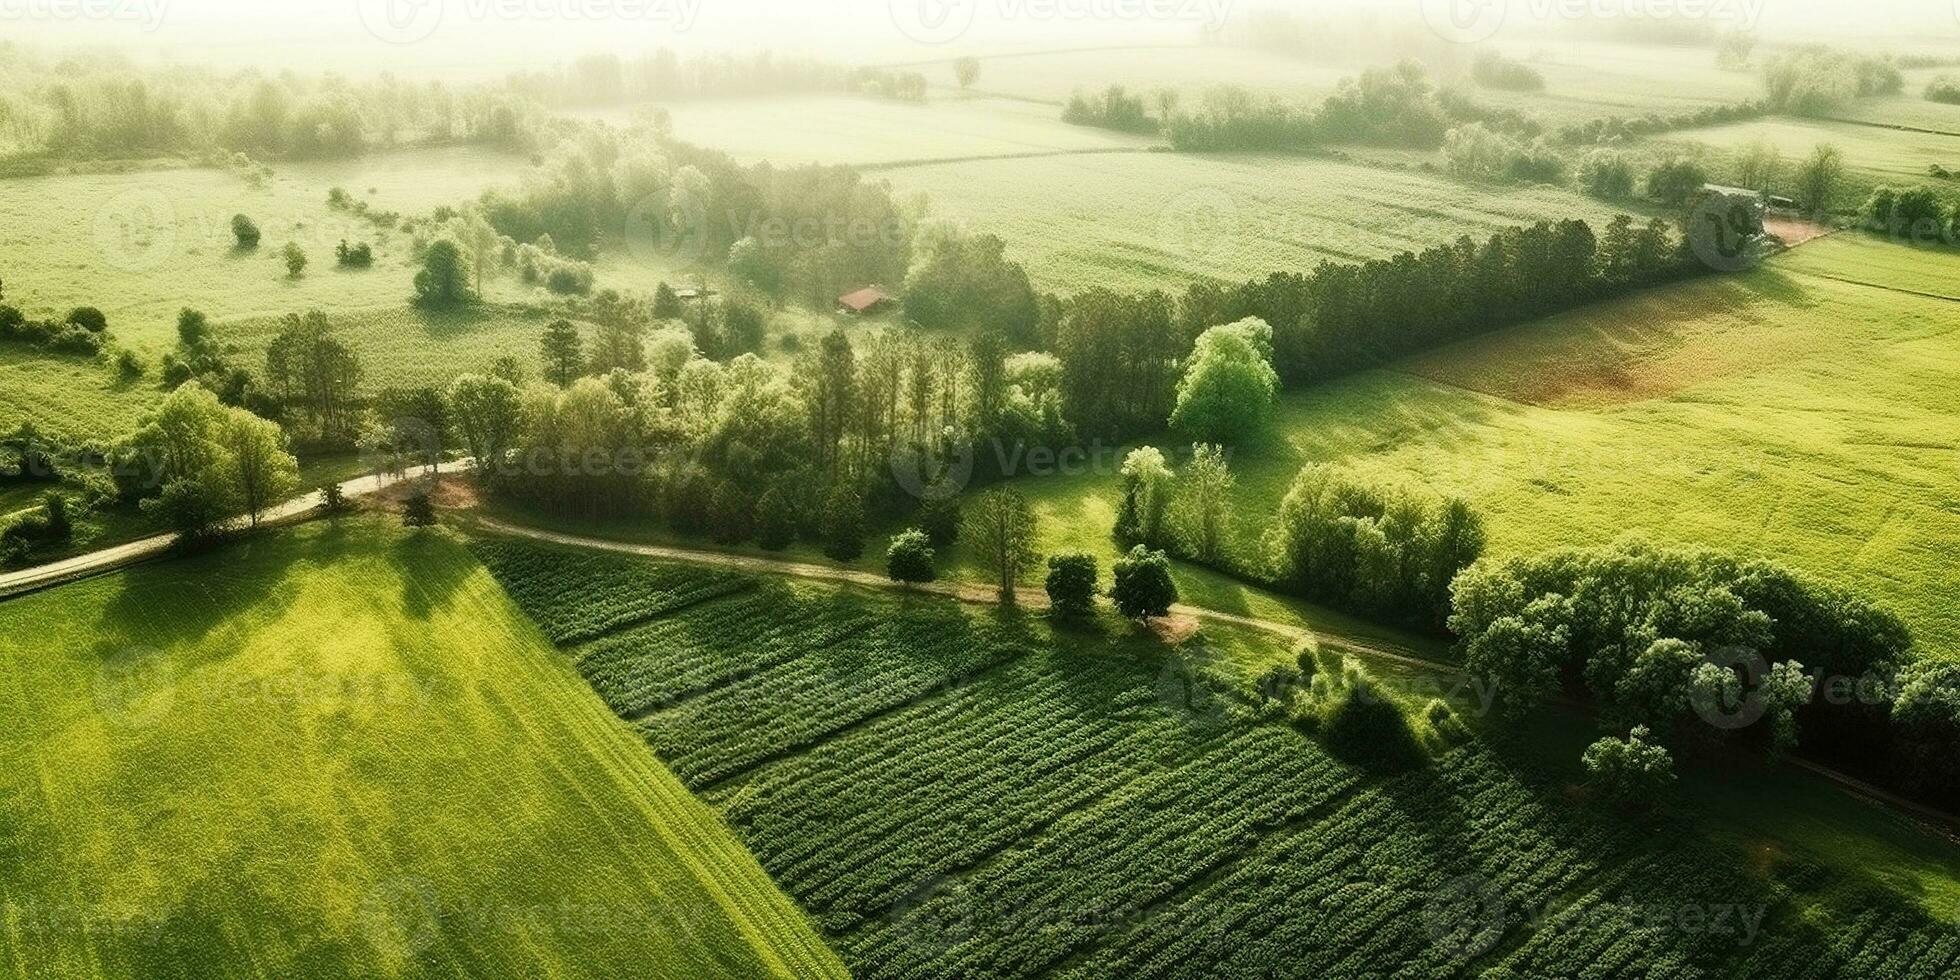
1875	285
1027	155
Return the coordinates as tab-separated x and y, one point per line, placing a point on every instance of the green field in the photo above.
952	790
340	751
1586	80
1158	220
143	245
1873	154
1776	413
1050	77
840	129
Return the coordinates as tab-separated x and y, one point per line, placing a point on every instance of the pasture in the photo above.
1776	413
954	789
340	750
1587	80
1872	154
1160	220
140	246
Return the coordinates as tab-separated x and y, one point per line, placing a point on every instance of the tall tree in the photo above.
487	415
1000	528
564	353
263	472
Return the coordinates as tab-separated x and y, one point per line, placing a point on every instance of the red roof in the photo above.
863	299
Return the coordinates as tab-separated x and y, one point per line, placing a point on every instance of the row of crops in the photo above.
949	791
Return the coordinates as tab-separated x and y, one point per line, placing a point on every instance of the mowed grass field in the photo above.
341	751
1161	220
951	790
1776	413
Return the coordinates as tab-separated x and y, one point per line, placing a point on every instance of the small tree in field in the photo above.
1072	584
1630	772
843	524
1143	585
444	279
967	71
245	231
909	559
564	356
295	259
418	511
333	500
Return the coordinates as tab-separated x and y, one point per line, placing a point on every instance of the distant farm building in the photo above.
865	301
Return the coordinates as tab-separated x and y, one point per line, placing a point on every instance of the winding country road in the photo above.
109	559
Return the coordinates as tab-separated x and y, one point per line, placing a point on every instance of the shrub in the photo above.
1633	771
88	318
909	558
940	519
1143	586
357	256
1493	70
1607	175
1071	584
1676	181
1945	88
245	231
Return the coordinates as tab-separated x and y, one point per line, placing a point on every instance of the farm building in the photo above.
870	299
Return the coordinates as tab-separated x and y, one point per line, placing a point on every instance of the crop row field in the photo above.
341	750
948	790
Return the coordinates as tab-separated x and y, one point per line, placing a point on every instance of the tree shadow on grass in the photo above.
432	569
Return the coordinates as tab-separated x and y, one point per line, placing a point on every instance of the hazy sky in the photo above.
492	36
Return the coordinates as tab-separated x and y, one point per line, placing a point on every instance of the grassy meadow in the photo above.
1776	413
336	751
950	788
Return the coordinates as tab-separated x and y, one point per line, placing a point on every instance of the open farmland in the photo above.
341	751
1872	154
953	790
1776	413
865	131
141	246
1587	80
1157	220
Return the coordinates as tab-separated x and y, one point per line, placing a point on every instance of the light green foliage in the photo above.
1630	771
305	757
1203	496
1229	384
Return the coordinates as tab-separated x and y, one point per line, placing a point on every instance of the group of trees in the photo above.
1817	80
1492	69
1919	214
1184	513
84	331
1113	108
1383	552
1395	106
1679	641
195	464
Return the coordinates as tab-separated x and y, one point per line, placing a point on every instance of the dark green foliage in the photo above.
418	510
88	318
1142	586
1676	181
359	255
1071	584
1629	772
191	508
960	281
1945	89
244	231
908	559
843	524
333	500
444	279
940	519
564	353
776	519
1364	724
